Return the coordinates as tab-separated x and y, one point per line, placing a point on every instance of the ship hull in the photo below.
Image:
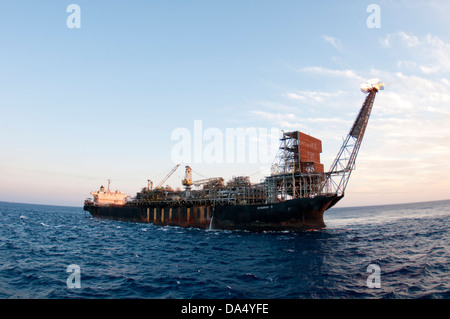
297	214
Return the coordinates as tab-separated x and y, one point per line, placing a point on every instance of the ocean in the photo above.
388	252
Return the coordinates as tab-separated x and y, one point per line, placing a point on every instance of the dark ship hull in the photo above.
296	214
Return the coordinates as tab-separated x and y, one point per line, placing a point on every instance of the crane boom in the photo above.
167	176
344	163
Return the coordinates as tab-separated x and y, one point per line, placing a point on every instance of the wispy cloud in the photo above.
346	73
317	96
428	54
336	43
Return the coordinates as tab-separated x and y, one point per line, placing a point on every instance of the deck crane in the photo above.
339	174
187	181
167	176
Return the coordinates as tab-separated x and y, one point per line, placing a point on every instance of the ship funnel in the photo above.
372	84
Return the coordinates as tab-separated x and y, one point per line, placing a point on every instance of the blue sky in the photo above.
79	106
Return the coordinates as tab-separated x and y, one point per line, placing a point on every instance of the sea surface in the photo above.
408	244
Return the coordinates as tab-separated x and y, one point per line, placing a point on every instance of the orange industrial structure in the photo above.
309	150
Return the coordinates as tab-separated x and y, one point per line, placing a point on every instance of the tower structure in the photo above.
339	174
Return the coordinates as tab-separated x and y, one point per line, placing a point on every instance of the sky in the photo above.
116	90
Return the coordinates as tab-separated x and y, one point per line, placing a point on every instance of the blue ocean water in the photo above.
409	243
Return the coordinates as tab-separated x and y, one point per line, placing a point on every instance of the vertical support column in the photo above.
201	214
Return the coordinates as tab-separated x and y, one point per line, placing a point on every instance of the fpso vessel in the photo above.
294	197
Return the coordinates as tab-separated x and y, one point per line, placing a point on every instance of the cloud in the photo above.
408	40
295	96
282	120
336	43
317	96
408	96
428	54
340	74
